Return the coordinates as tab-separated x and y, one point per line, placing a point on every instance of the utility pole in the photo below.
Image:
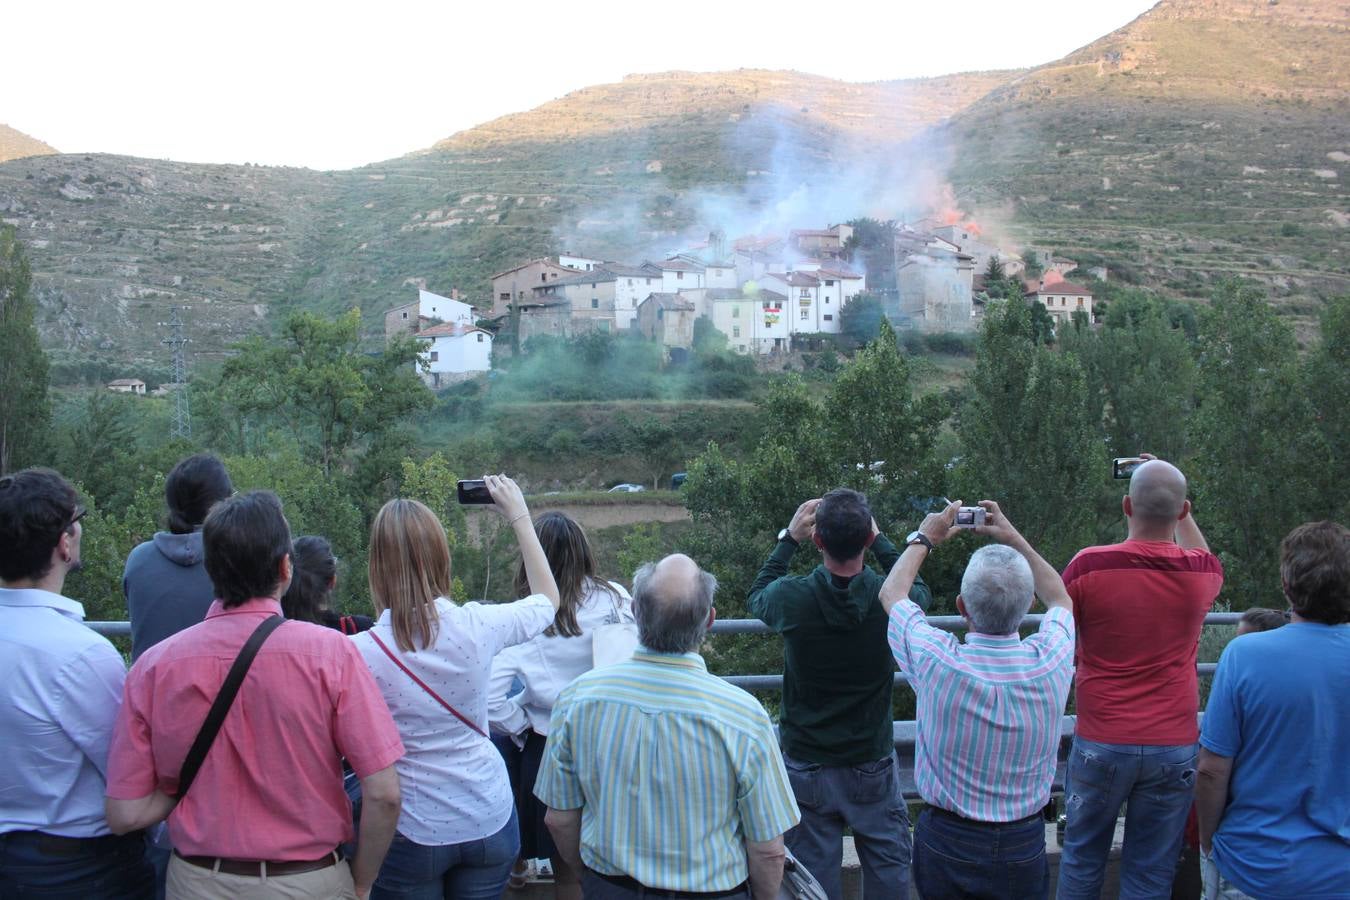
182	415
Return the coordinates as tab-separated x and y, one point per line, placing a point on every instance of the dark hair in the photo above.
36	507
244	540
192	488
843	523
1315	567
573	563
1258	618
313	568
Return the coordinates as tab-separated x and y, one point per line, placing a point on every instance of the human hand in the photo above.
362	893
997	525
1147	456
506	496
803	521
939	526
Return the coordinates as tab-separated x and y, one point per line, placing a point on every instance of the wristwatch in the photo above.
918	537
786	535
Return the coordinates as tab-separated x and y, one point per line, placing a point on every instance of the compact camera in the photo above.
473	492
1124	466
970	517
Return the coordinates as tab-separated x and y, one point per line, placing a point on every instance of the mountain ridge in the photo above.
14	144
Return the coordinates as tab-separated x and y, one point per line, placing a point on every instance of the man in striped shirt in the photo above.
659	776
989	712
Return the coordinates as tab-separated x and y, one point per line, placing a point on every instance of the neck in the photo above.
52	582
846	569
1141	530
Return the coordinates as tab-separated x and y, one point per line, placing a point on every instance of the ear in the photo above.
961	607
1185	510
712	617
1125	505
815	539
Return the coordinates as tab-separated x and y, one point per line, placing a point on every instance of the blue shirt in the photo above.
60	689
1280	709
673	769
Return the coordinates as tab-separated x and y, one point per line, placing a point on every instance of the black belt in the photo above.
957	817
257	868
61	845
633	884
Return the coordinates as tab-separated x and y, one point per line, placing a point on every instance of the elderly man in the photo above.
266	811
1272	797
837	738
661	779
62	686
989	712
1140	606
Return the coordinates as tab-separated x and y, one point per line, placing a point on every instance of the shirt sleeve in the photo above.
764	797
508	624
131	761
89	694
363	728
505	714
1221	725
764	602
911	637
1054	639
557	785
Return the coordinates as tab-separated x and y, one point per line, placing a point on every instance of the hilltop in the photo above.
14	144
1206	138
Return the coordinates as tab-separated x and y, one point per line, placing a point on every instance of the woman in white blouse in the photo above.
457	832
545	665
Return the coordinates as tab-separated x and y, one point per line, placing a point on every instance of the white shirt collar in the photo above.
36	597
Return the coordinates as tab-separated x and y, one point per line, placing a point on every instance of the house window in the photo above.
480	339
805	315
679	276
829	282
505	295
649	281
827	301
805	293
736	311
595	303
405	314
543	276
630	282
735	331
766	305
829	317
592	285
435	357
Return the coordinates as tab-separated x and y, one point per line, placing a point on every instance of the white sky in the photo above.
335	85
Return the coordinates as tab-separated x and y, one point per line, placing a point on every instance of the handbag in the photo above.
615	640
220	707
423	685
798	883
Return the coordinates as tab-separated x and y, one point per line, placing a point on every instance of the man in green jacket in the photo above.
835	729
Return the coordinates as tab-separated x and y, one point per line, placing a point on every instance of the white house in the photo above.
584	263
454	352
677	273
127	386
1061	298
445	309
757	324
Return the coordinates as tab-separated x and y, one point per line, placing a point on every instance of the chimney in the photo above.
454	293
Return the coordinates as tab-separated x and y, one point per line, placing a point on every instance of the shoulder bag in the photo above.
220	707
422	684
798	883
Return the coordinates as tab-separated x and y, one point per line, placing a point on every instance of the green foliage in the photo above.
1030	436
642	544
1328	381
25	413
1258	448
431	481
860	319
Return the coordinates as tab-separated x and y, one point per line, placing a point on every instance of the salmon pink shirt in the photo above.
271	785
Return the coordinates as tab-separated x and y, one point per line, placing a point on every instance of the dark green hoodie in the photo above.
838	670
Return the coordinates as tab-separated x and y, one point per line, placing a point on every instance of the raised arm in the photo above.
1049	586
1188	535
776	566
510	503
936	527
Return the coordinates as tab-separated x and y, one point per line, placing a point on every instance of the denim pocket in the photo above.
1090	779
805	780
873	782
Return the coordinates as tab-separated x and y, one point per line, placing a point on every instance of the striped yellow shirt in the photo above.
673	769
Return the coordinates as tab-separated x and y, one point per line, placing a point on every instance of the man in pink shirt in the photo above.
267	809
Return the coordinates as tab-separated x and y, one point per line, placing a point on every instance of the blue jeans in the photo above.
955	858
110	868
472	870
1158	783
865	797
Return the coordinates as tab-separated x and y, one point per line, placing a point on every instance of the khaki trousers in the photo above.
189	882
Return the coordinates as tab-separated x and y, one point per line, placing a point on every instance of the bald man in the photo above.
1139	607
661	779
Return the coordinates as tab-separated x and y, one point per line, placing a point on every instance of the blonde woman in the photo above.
457	831
546	665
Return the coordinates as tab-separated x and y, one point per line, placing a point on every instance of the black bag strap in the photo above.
220	707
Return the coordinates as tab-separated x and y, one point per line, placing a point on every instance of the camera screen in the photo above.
965	517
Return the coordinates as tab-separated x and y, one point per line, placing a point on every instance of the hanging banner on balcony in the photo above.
771	316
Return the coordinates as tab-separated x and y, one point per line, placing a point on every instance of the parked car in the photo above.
678	479
626	488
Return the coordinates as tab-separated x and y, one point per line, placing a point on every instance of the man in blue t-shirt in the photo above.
1272	797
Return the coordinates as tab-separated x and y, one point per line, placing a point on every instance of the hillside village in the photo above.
761	291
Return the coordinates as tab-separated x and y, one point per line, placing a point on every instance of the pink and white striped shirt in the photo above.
989	712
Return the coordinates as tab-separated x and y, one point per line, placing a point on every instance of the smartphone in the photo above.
473	492
1124	466
970	517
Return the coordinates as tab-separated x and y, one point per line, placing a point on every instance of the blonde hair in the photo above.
409	569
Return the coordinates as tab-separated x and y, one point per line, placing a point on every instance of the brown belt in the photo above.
258	868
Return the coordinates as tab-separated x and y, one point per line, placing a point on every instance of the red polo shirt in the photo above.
1139	607
271	785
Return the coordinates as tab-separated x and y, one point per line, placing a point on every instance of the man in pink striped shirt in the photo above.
989	711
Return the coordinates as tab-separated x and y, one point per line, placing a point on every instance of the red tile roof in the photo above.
1061	287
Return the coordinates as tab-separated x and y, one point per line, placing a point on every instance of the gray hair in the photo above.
997	589
672	614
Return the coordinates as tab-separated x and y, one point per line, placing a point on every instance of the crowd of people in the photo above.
264	745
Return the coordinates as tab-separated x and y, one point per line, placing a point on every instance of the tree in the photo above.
25	413
1328	380
1258	449
331	396
860	319
1030	435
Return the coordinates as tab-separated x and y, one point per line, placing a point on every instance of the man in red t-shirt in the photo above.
1139	608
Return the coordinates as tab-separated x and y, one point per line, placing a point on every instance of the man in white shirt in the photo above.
60	688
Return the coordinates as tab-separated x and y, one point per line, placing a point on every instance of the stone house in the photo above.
667	319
